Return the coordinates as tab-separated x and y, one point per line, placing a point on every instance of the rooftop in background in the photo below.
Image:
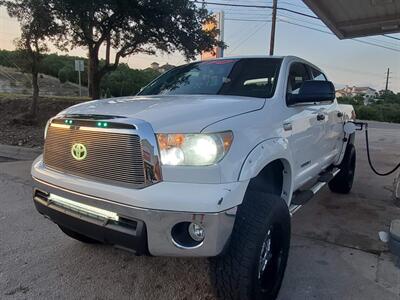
348	91
357	18
162	69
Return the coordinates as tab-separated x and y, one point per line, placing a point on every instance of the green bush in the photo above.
63	75
126	81
385	109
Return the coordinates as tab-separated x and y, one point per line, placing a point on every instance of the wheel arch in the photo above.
267	159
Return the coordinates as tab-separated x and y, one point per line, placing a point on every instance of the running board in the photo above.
302	197
328	175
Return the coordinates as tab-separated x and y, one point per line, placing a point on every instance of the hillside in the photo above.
123	81
15	82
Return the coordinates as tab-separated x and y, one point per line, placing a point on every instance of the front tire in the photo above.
253	266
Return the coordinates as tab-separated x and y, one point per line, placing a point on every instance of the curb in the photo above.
19	153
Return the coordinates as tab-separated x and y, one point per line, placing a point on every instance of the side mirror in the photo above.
313	91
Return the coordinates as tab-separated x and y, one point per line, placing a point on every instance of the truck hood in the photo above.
171	113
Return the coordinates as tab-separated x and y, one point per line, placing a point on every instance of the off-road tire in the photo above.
343	181
78	236
235	274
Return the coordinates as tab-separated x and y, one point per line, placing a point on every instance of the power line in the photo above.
247	20
388	44
257	6
377	45
301	20
247	14
262	2
316	29
391	37
330	33
305	26
296	24
241	43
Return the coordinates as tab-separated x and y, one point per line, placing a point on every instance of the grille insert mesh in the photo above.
111	156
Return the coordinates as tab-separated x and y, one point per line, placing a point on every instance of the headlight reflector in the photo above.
193	149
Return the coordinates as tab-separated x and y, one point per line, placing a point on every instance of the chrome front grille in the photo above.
110	156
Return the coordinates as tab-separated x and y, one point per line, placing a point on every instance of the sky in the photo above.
247	32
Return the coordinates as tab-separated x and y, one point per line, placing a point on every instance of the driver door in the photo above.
307	128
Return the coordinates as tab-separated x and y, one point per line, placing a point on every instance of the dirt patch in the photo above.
15	133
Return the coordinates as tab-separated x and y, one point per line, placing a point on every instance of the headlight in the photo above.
193	149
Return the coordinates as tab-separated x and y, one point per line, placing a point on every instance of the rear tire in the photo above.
343	181
254	263
78	236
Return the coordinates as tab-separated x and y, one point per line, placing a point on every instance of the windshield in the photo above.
249	77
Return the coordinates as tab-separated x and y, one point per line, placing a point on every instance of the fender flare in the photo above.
264	153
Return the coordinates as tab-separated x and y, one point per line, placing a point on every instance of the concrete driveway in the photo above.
335	252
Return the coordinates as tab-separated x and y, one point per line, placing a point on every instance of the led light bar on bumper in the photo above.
201	149
83	208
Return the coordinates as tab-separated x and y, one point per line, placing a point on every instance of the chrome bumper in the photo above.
157	224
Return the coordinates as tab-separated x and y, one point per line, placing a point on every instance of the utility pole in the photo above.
387	81
272	41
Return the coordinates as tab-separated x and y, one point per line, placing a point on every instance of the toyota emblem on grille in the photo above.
79	151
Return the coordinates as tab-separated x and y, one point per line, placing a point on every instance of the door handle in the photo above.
320	117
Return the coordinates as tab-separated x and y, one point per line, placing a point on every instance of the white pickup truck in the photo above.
210	159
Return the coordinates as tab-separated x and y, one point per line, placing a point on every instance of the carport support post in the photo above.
272	41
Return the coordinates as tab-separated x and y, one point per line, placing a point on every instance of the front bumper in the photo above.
142	230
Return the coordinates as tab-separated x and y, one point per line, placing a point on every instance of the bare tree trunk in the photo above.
35	96
95	86
94	79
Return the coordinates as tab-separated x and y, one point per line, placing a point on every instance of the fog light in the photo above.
196	232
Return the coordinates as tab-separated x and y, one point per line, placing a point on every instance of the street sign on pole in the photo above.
79	67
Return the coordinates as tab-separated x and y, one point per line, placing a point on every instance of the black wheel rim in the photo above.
270	261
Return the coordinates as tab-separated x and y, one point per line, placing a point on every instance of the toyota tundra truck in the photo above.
210	159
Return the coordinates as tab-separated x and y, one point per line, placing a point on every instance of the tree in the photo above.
126	81
127	27
37	26
63	75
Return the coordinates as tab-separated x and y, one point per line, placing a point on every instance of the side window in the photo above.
318	75
297	75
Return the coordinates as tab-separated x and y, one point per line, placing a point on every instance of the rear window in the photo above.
250	77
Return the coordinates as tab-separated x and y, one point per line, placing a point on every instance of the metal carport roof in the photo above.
357	18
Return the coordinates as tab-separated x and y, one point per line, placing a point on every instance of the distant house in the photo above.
155	66
163	68
367	92
166	68
341	93
348	91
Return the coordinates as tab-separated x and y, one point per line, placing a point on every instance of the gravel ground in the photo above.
14	132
